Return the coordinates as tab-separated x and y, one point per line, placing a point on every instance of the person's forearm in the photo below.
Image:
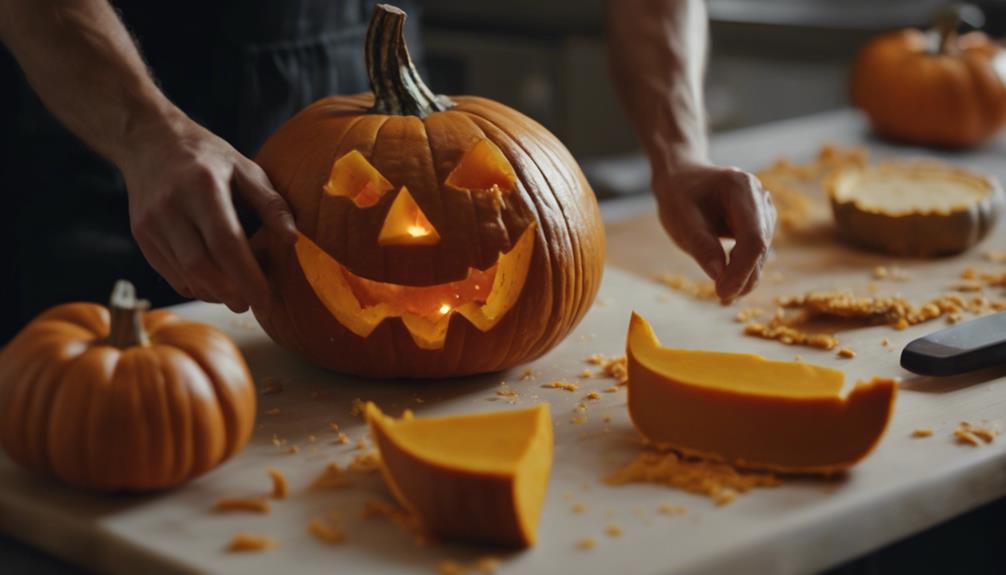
657	56
657	51
181	179
83	64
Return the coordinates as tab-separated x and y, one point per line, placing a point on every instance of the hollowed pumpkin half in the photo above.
915	209
750	411
480	477
361	304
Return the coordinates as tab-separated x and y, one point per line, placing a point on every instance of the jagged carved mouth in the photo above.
360	304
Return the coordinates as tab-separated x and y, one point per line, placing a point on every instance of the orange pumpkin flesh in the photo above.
932	88
440	237
480	477
752	412
122	400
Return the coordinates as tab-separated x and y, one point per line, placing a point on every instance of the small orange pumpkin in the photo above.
933	88
440	236
119	398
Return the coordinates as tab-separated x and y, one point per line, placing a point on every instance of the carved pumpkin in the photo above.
933	88
440	237
122	399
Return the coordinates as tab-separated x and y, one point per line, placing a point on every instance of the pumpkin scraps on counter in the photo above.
795	187
719	481
112	388
751	412
425	251
325	531
968	433
250	542
280	488
479	477
893	311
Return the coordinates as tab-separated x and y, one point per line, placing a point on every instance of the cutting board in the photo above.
804	524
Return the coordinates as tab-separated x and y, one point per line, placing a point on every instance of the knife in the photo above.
965	347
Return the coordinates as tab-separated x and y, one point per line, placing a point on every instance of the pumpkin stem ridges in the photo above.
950	19
396	84
126	317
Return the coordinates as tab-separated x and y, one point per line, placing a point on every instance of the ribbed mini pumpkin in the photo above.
121	399
440	236
933	88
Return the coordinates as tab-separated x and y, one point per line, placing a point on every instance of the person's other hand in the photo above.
700	203
182	182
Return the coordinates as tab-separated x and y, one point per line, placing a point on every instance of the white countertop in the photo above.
806	524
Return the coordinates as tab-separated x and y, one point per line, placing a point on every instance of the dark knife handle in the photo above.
965	347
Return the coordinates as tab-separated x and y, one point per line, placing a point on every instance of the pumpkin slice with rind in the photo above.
478	477
750	411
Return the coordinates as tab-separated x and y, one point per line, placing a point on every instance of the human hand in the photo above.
700	203
182	181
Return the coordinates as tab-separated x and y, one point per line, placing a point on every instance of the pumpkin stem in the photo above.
126	317
950	19
396	84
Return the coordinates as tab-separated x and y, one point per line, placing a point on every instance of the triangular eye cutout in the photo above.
406	224
355	178
481	168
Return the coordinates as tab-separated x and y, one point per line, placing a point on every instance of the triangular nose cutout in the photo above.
406	224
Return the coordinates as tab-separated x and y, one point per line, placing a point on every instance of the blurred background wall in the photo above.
769	59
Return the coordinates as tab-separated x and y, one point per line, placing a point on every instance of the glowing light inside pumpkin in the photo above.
355	178
417	231
406	224
483	167
483	297
430	302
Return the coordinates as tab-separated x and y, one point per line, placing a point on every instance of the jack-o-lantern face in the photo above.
439	237
482	296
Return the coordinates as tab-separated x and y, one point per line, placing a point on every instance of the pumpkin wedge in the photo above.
479	477
750	411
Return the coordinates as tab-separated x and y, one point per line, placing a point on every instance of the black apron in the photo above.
239	67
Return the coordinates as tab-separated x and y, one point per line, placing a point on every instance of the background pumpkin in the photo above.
933	88
122	399
415	140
